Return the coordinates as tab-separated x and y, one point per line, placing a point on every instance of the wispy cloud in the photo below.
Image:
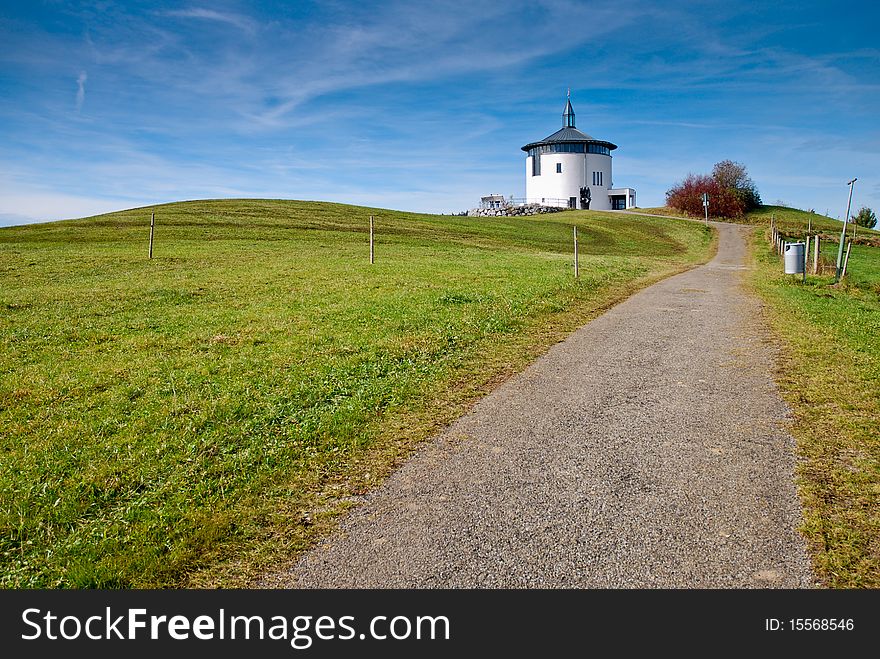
81	90
424	105
240	21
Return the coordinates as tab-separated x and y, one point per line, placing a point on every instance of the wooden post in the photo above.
371	239
806	255
152	226
846	259
576	271
816	256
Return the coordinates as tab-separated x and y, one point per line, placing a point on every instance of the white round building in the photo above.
571	169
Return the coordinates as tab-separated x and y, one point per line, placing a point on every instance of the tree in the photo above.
733	176
687	197
865	218
731	192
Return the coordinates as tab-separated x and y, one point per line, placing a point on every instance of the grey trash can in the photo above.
794	258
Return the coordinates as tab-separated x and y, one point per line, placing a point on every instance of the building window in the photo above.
570	148
559	168
572	202
597	178
536	164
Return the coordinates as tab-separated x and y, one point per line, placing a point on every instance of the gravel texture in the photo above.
646	450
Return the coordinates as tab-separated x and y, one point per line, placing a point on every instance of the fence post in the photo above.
152	226
576	271
806	255
371	239
846	259
816	256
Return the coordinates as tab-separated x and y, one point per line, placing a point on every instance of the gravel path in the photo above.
646	450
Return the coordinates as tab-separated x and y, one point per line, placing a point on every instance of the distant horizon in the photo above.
424	108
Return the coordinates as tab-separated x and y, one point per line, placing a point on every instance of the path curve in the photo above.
646	450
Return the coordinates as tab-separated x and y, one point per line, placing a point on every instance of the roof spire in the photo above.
568	115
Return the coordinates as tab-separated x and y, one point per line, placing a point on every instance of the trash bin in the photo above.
794	258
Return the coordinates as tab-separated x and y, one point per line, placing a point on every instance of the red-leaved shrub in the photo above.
687	197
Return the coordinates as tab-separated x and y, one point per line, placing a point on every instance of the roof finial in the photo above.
568	115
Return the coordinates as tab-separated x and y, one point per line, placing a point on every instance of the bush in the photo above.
731	192
687	197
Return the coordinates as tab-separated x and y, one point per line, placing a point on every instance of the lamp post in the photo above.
851	184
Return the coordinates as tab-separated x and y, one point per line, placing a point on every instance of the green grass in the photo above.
661	210
862	269
792	221
193	419
829	374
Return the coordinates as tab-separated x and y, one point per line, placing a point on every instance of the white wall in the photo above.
629	193
577	171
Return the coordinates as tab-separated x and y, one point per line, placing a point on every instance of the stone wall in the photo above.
512	211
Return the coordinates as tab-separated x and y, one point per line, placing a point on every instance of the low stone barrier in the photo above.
513	211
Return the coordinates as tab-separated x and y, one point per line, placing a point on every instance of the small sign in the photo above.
706	199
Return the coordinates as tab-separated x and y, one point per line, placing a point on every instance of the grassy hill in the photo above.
190	419
829	371
794	221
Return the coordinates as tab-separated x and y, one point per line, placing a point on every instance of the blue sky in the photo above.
425	105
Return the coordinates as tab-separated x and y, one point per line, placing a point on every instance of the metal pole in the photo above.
706	205
851	185
152	225
371	238
576	271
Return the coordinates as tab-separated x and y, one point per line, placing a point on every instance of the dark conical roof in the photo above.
568	133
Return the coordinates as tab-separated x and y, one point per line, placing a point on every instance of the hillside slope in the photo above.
186	419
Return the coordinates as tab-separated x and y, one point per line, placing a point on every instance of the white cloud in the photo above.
237	20
81	90
25	205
